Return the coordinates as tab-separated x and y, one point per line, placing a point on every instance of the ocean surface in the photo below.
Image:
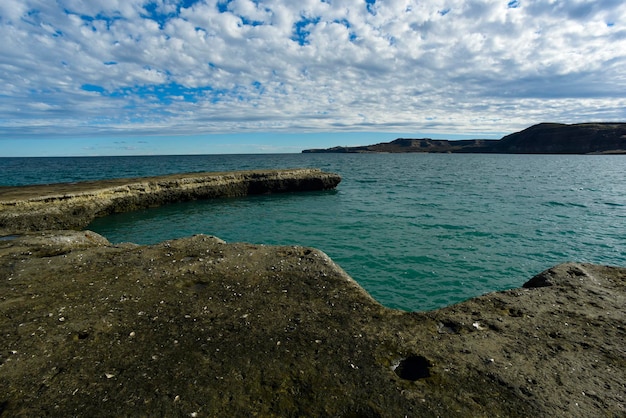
417	231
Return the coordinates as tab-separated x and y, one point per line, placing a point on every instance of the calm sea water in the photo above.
418	231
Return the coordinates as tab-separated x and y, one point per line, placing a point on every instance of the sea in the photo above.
417	231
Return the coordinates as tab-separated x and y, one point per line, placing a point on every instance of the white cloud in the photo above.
454	66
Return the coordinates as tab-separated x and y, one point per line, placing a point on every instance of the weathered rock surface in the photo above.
544	138
75	205
198	327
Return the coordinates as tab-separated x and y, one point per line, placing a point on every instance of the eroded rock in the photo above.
75	205
199	326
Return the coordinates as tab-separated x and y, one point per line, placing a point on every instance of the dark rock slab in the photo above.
199	327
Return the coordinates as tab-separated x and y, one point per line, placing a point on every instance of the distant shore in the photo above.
544	138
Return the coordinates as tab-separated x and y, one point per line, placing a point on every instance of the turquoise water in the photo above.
417	231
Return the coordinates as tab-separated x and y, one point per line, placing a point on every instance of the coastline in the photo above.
592	138
199	326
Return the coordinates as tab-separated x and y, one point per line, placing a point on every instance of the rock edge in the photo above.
75	205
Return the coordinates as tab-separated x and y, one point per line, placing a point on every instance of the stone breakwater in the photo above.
75	205
198	327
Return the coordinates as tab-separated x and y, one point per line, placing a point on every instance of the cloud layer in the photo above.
70	67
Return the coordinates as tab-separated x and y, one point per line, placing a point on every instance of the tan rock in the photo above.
75	205
201	326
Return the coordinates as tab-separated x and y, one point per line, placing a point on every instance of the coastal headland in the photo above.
543	138
198	327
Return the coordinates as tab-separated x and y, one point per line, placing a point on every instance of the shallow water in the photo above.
418	231
8	237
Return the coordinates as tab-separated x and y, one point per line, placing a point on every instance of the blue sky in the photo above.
115	77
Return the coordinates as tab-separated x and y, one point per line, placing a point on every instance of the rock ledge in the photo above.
75	205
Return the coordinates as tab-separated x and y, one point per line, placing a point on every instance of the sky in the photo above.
124	77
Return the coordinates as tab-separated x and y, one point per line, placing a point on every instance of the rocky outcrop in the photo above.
544	138
197	327
75	205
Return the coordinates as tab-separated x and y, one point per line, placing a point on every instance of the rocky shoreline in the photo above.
75	205
199	327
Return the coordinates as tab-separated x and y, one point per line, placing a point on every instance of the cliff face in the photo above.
545	138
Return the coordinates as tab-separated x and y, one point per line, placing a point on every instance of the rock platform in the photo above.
197	327
75	205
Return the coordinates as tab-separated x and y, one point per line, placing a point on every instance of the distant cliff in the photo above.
544	138
416	145
556	138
